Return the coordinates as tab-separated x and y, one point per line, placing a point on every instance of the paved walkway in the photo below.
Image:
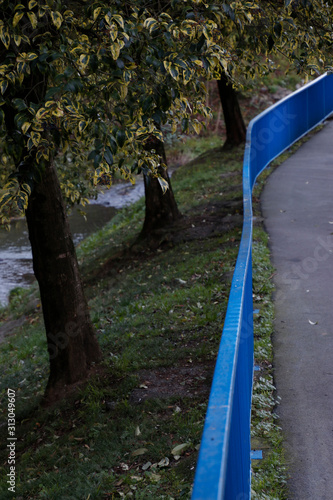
298	210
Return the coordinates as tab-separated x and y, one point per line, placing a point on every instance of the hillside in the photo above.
133	430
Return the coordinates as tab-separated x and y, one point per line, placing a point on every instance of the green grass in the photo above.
158	315
269	475
184	149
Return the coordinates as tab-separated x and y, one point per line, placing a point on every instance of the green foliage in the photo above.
302	32
97	82
93	83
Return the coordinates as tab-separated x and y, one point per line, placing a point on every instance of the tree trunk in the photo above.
161	209
72	344
236	130
71	341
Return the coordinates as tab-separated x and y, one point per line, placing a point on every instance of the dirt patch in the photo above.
201	227
163	383
209	220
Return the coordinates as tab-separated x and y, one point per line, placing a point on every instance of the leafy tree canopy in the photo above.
94	81
90	82
302	31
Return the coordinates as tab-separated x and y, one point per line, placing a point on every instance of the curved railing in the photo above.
223	469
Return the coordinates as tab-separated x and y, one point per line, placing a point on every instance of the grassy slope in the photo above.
159	316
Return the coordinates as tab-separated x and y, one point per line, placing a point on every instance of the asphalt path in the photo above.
297	205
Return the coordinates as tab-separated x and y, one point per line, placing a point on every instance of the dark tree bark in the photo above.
72	344
236	130
161	209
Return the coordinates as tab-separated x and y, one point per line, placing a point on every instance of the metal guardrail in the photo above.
224	466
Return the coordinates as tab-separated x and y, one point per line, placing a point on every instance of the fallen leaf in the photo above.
137	431
155	477
179	449
140	451
146	466
164	462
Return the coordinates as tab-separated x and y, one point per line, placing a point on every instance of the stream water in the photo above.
15	252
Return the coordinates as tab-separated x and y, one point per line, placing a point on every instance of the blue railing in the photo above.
223	469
